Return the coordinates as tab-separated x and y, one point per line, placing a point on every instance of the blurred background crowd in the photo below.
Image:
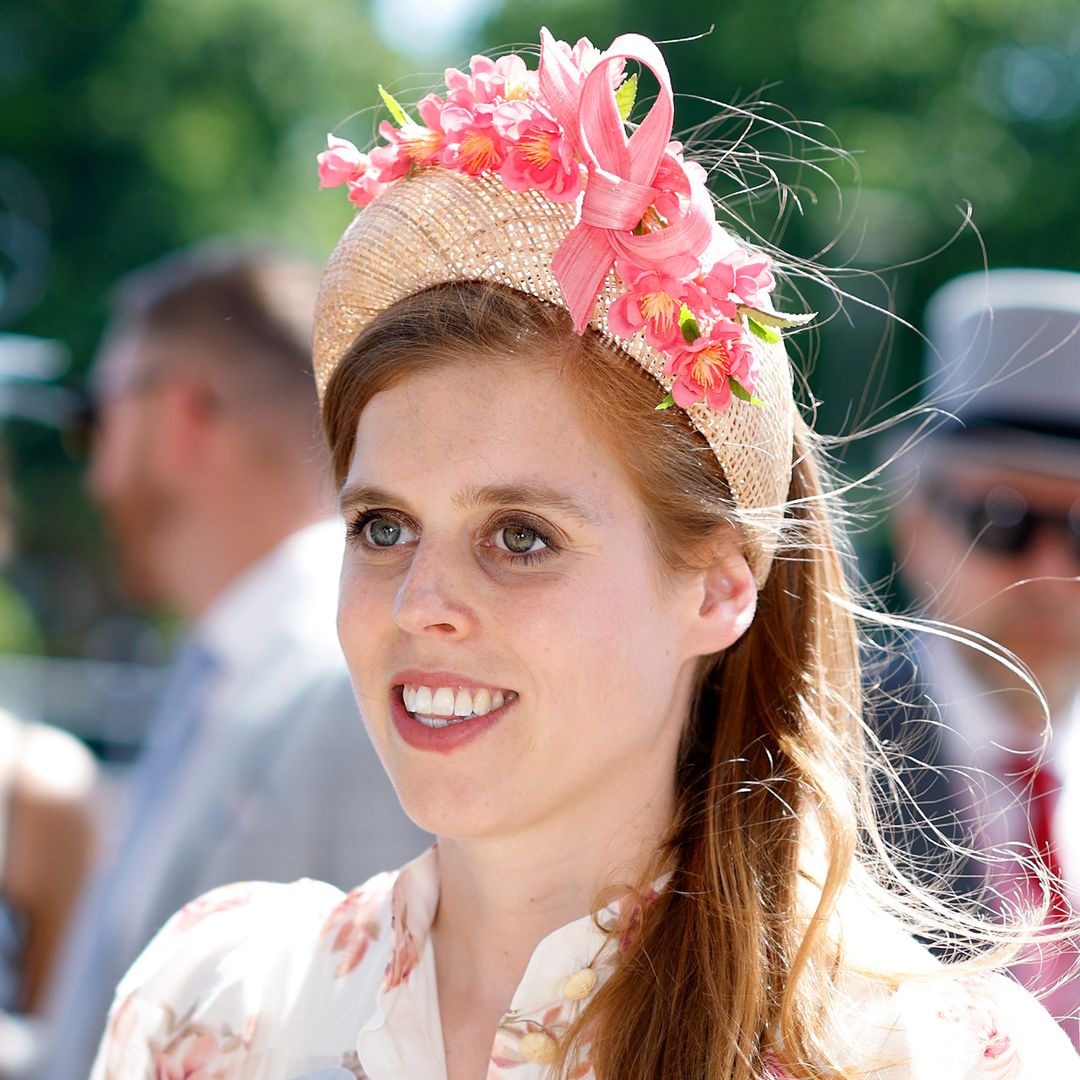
130	129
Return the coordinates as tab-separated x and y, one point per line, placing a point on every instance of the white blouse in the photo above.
300	982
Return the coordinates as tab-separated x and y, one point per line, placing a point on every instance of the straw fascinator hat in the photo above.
535	180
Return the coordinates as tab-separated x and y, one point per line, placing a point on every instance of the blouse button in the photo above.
538	1047
580	985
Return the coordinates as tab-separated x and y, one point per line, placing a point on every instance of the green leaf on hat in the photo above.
665	404
688	325
766	333
625	97
741	392
396	111
776	318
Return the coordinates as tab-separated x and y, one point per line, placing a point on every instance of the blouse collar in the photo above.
405	1032
583	943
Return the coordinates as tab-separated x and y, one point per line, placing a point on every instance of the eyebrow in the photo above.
523	495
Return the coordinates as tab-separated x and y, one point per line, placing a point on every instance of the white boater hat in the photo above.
1004	360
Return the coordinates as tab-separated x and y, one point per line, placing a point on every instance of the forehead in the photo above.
484	423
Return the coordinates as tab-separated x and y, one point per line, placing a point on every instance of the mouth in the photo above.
445	706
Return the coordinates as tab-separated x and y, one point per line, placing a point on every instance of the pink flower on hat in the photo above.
738	278
539	156
563	131
653	300
411	144
365	189
703	368
489	81
340	163
473	142
675	179
753	276
585	56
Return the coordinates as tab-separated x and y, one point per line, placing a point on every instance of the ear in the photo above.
186	418
727	599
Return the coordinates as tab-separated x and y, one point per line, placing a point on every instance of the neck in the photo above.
500	896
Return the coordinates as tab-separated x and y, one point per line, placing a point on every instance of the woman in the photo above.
602	642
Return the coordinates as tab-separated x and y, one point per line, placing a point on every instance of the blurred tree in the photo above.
941	103
131	127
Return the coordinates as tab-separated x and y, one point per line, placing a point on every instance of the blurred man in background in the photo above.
988	540
208	468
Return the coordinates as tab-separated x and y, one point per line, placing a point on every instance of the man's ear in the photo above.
186	424
727	599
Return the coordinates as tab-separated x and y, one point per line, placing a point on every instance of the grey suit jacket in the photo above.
919	812
292	788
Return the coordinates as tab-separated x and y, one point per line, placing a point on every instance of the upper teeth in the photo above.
456	701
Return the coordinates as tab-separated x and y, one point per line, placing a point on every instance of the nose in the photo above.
431	599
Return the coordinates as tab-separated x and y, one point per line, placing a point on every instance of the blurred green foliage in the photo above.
141	125
940	103
137	126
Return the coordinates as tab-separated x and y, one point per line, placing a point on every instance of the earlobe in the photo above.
728	602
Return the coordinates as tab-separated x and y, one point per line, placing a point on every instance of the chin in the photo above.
141	584
463	807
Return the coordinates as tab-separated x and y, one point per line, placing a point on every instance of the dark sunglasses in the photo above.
1002	522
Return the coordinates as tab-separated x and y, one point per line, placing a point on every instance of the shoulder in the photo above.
901	1013
222	980
973	1026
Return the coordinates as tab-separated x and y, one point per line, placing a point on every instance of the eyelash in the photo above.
355	531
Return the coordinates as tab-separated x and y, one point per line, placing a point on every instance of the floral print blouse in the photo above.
301	982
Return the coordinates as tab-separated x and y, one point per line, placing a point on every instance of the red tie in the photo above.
1043	788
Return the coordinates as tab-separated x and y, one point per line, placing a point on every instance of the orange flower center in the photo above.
711	365
478	153
660	308
421	144
536	148
652	221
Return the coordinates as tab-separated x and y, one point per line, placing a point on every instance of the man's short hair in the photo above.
243	311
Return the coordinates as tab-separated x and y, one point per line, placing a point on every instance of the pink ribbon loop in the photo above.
621	171
612	202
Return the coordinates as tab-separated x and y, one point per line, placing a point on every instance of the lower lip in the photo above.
442	740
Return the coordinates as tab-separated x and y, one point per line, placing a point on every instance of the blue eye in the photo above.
381	531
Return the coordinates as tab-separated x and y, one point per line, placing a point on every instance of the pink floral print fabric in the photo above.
291	982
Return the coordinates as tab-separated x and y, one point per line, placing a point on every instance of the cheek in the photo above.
362	609
981	587
605	644
112	453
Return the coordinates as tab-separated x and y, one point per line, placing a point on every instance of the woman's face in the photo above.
517	653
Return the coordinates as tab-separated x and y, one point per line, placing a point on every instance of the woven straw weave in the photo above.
442	226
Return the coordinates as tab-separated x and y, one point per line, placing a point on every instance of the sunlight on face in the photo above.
498	569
